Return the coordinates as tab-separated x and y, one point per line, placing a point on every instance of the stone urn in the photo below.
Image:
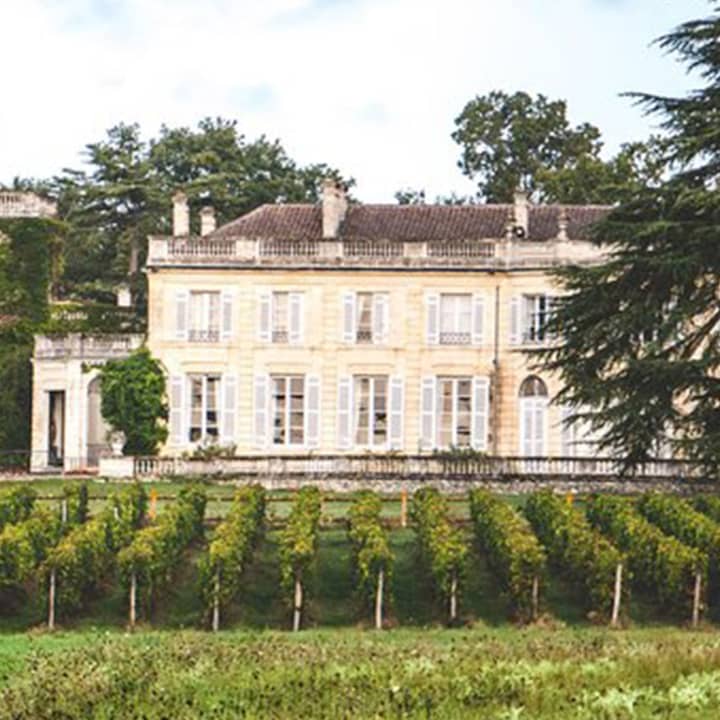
117	442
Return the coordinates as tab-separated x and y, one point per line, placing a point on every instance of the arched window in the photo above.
533	417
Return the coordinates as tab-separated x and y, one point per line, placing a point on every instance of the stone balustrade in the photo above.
86	347
25	204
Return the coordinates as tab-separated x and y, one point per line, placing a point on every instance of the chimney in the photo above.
521	209
207	221
181	215
334	207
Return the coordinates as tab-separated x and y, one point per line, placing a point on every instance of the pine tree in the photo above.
639	352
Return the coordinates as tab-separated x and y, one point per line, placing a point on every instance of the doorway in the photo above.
56	428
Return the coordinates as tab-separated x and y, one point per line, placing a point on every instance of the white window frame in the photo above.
205	333
379	329
456	299
536	310
204	407
455	381
370	444
287	379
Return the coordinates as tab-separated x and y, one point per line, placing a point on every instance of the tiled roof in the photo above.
410	222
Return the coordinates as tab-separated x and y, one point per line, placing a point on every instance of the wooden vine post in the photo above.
216	604
152	510
133	600
403	507
297	604
614	620
697	593
64	511
453	598
535	597
379	600
51	600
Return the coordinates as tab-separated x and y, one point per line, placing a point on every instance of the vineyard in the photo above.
246	557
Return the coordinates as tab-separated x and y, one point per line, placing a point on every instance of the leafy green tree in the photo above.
133	401
639	347
507	139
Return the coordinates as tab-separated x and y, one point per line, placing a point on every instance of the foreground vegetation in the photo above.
346	674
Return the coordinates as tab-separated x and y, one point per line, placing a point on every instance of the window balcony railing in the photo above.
280	336
204	336
455	338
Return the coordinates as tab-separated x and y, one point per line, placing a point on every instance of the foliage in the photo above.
513	552
660	564
75	495
371	546
298	539
24	546
232	546
442	546
212	452
639	347
16	504
708	505
575	548
156	551
133	401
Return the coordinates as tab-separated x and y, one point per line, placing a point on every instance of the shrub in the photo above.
16	505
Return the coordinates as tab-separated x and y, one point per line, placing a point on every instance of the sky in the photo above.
371	87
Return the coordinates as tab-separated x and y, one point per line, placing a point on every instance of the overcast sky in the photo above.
369	86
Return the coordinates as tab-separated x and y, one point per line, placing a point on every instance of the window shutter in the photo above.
381	318
177	410
260	428
229	407
349	323
226	301
480	413
432	309
515	331
345	412
396	412
182	310
478	319
567	432
540	413
264	316
312	411
427	413
295	301
526	427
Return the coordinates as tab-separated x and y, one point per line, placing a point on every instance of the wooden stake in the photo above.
617	595
152	510
133	600
64	511
51	601
297	610
403	507
216	604
379	600
696	600
453	599
535	597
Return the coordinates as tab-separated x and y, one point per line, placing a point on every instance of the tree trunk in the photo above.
133	600
696	600
51	601
453	599
216	604
616	597
379	600
297	605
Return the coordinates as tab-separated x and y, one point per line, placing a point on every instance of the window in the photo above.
204	317
288	404
371	401
454	411
533	417
536	313
280	316
365	317
204	393
455	319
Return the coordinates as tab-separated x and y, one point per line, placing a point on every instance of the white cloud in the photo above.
370	86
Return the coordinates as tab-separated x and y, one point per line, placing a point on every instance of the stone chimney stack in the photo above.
181	215
207	221
522	213
334	208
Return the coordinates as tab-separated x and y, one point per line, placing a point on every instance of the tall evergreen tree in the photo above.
639	347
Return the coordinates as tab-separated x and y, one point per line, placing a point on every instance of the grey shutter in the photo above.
427	413
344	410
261	413
264	316
349	322
177	410
312	411
226	305
432	312
515	330
478	319
295	302
397	406
182	311
229	409
480	412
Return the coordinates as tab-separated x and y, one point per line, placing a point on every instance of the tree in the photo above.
639	349
133	401
507	139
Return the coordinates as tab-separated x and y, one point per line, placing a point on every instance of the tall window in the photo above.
454	411
204	415
364	310
365	317
371	410
536	313
455	319
288	403
533	417
204	317
280	317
